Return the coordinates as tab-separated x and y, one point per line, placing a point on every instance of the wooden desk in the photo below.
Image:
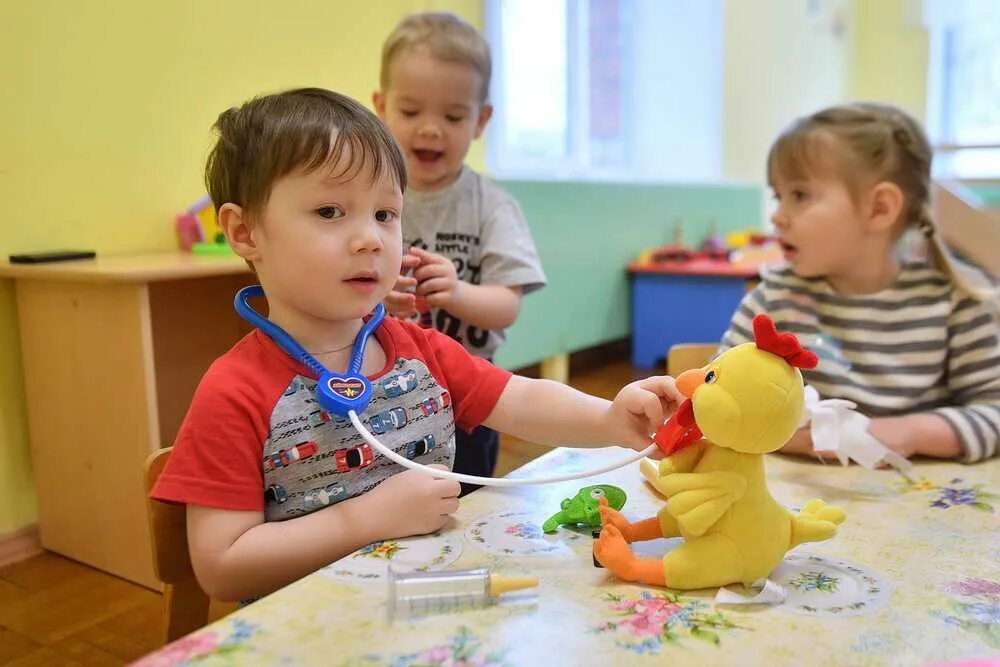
912	578
112	350
683	302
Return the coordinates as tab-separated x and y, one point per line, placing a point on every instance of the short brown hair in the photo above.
447	37
271	136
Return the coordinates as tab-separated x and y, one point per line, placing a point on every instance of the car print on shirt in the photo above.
387	420
275	494
353	457
431	406
286	457
323	496
399	384
420	447
318	418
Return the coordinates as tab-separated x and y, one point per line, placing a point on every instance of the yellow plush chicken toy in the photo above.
744	404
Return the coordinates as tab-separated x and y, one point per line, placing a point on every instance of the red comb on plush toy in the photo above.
785	345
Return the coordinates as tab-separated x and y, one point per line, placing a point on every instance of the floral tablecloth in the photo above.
913	578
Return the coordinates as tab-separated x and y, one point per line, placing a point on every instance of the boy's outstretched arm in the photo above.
237	555
551	413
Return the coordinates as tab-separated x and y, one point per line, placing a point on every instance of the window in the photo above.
964	90
606	89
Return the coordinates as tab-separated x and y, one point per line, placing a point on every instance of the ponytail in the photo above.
967	279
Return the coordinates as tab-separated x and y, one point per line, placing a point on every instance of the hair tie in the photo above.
926	226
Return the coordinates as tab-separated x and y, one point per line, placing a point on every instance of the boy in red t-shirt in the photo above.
308	186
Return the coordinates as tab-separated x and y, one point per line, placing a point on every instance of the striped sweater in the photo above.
918	346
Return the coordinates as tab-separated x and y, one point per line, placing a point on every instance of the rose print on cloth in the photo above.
198	646
645	624
464	649
974	607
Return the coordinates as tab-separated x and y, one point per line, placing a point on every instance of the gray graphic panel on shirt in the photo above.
312	459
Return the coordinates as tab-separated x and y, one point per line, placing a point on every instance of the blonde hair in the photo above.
448	38
878	143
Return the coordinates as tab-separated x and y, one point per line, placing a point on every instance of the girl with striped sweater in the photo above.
913	343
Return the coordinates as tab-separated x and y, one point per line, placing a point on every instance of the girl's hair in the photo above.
872	143
448	37
271	136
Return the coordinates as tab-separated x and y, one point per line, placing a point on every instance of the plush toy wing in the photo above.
698	500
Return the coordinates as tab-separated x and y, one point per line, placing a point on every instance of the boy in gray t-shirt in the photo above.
470	254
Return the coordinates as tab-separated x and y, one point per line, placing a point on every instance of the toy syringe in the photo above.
422	593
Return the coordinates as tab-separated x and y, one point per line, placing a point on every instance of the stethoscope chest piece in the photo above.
340	394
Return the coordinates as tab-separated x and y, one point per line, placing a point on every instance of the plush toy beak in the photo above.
690	380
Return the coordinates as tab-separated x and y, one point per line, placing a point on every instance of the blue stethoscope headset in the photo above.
348	394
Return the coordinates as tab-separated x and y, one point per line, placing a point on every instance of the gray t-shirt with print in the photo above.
313	459
481	228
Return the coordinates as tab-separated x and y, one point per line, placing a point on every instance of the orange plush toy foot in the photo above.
647	529
612	517
612	551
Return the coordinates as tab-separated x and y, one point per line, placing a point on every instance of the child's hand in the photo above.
401	302
436	277
641	408
413	503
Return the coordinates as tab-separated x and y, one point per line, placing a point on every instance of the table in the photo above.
683	302
112	350
912	578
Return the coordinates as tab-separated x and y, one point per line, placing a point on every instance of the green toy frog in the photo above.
583	508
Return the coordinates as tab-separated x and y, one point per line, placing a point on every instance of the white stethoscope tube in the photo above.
487	481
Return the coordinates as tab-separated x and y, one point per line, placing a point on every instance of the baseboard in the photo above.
20	544
587	358
598	355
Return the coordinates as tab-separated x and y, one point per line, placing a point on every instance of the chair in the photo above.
686	356
185	603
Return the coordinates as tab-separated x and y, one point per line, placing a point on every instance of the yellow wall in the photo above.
18	506
786	58
890	54
105	126
783	58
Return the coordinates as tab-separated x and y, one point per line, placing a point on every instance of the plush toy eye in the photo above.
711	377
597	493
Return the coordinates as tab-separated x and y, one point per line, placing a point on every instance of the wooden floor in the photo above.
54	611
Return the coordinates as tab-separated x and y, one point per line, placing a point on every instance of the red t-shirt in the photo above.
255	438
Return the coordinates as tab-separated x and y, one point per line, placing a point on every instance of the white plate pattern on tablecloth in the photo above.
517	534
821	586
414	554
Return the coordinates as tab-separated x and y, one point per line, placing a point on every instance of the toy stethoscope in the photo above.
348	394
